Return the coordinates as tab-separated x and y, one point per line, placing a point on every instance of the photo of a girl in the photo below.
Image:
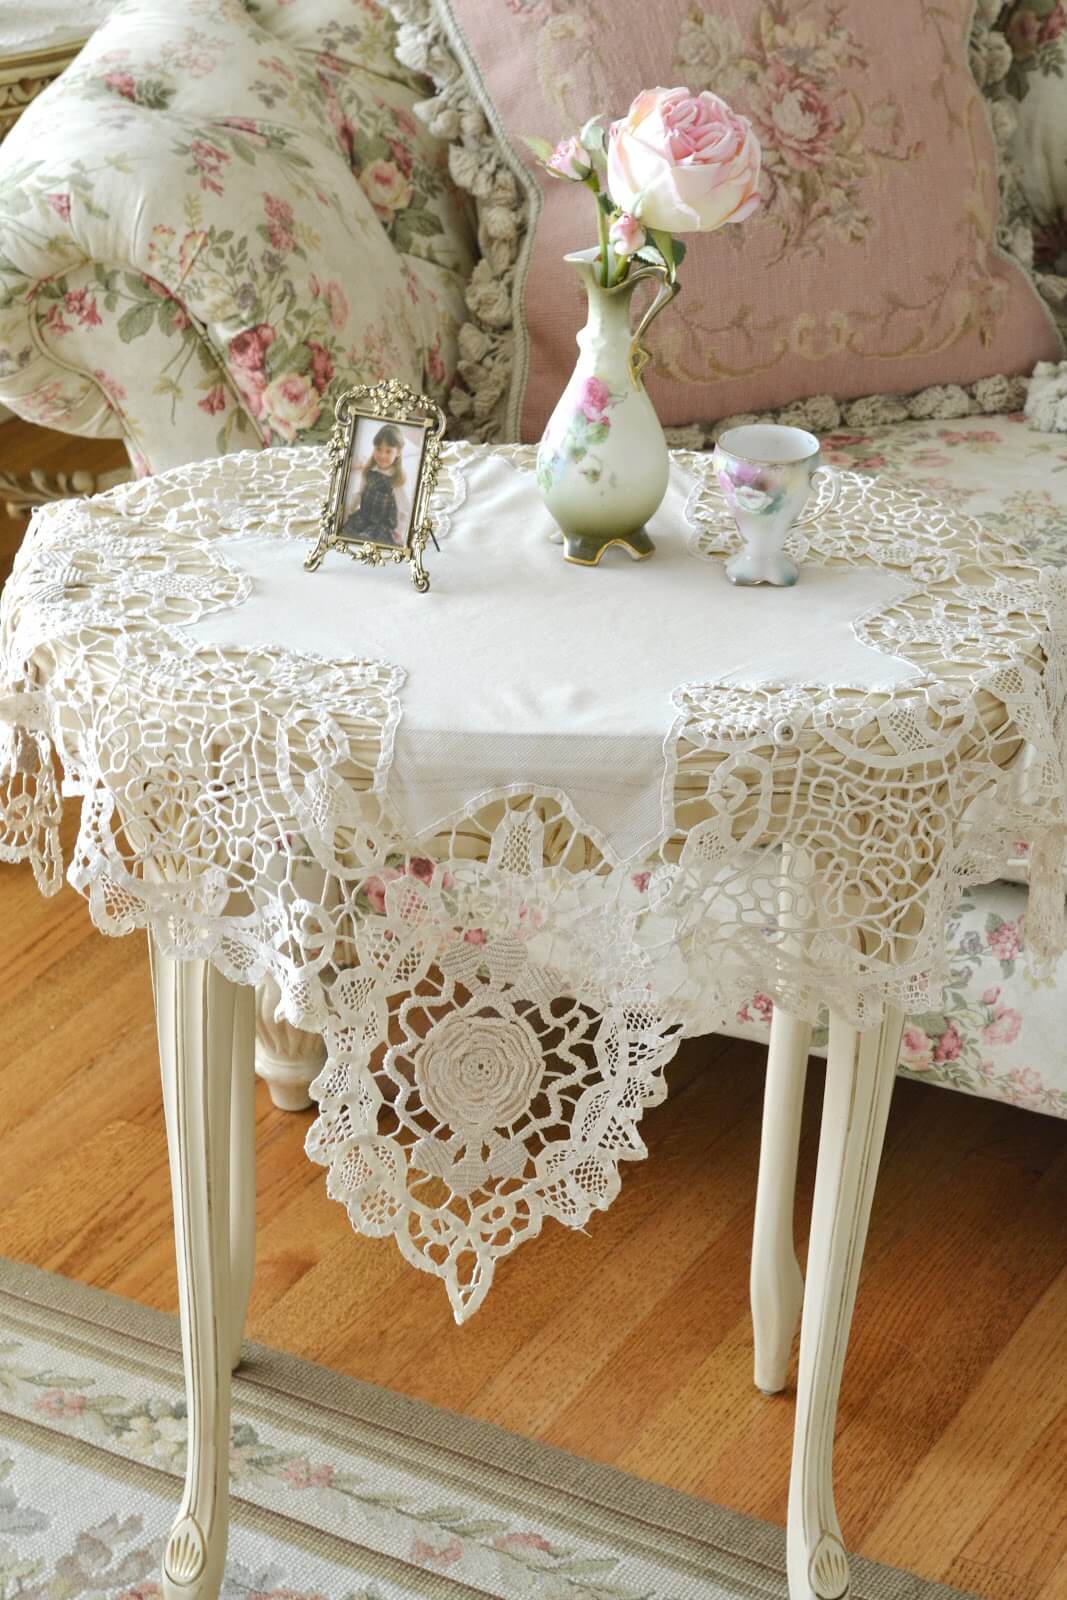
377	507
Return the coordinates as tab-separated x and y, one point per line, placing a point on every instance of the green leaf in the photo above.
665	245
540	147
592	138
137	321
679	247
649	253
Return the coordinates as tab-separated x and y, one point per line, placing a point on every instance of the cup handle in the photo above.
835	495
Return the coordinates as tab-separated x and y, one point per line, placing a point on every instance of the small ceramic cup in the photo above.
766	472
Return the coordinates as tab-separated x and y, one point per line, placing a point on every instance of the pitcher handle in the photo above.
639	356
835	495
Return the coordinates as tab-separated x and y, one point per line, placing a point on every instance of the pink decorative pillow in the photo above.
872	267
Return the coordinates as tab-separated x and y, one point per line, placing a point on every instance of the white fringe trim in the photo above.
1046	402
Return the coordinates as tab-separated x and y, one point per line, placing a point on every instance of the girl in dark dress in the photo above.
377	514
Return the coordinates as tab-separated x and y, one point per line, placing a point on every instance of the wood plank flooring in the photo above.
629	1344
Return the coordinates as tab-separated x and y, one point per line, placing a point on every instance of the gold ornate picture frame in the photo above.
384	453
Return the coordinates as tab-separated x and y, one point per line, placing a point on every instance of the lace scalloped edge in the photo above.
478	403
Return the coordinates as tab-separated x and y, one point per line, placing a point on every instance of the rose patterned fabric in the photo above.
999	1032
1036	30
257	214
872	266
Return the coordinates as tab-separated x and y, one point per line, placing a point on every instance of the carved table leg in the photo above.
776	1284
242	1166
860	1073
196	1020
287	1058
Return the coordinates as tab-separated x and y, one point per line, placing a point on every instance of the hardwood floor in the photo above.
631	1343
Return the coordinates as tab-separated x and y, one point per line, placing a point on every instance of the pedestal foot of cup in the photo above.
745	570
585	550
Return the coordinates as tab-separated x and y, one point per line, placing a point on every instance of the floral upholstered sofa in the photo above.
224	213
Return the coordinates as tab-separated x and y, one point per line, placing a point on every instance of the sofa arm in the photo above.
186	257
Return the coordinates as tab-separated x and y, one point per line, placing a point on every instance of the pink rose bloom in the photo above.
991	996
213	401
743	475
794	117
1004	1028
290	405
248	350
916	1048
386	188
60	204
321	365
337	303
641	881
122	83
1027	1078
683	162
1053	24
300	1474
1022	32
474	936
279	223
374	889
594	399
1005	942
522	1541
949	1045
570	160
759	1009
427	1555
423	869
60	1403
626	235
242	124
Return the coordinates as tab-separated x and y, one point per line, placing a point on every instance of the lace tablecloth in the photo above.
505	844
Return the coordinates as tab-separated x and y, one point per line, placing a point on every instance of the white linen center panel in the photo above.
521	666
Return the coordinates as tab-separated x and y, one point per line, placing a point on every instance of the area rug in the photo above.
341	1490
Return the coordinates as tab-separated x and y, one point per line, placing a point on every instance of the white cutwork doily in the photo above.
500	992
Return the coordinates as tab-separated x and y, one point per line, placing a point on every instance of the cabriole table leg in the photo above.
242	1165
860	1073
776	1283
196	1021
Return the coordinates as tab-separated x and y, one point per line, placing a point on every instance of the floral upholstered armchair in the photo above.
215	220
224	213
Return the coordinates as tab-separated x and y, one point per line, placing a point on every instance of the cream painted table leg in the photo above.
288	1059
860	1073
242	1165
199	1019
776	1284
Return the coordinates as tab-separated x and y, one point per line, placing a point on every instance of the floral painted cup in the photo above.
766	472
